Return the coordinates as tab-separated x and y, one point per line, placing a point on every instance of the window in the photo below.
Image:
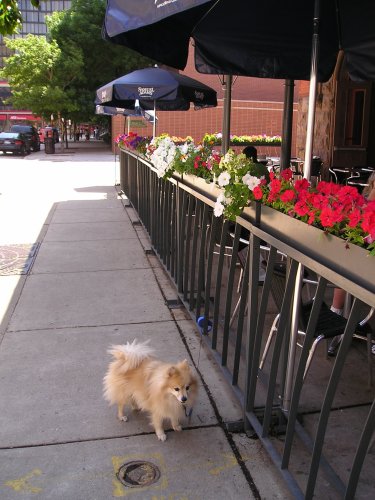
354	117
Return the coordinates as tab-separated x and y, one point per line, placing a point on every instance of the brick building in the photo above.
257	108
344	134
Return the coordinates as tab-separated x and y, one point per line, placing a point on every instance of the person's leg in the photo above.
337	307
338	301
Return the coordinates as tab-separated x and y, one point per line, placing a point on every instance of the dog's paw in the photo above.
124	418
161	436
177	428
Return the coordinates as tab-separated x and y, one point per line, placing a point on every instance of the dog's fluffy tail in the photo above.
131	354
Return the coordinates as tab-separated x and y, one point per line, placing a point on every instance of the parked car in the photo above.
31	132
47	130
15	142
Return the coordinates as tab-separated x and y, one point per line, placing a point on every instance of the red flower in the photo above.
301	184
329	217
301	208
311	218
368	223
275	185
354	218
288	195
286	174
257	193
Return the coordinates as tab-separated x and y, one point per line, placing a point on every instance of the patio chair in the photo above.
329	324
333	176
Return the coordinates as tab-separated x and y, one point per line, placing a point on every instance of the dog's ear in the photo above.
184	363
171	371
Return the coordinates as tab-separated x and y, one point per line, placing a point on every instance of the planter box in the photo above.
207	189
350	261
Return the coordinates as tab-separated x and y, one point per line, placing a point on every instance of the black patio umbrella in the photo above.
157	89
270	39
128	113
291	40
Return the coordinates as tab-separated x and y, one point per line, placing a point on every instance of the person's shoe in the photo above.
334	345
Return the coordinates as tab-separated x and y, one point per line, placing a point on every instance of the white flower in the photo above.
221	201
223	179
218	209
184	148
163	156
251	181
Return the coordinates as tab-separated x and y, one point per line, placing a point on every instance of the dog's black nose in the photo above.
183	399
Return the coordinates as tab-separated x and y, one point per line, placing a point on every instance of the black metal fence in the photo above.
258	295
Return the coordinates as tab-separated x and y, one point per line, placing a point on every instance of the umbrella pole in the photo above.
154	124
306	175
286	142
312	94
225	140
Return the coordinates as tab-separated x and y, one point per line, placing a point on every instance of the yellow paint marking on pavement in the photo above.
231	462
22	484
120	490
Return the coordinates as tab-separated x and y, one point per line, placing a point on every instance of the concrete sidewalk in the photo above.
94	283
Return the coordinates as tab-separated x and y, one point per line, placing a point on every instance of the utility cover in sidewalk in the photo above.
138	473
17	259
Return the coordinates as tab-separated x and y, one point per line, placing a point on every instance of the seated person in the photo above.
252	153
369	191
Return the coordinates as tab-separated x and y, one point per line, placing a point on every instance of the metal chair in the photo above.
332	176
329	324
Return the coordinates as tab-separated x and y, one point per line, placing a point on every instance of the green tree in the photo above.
61	72
81	27
39	75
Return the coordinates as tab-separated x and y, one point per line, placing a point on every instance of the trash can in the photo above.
49	145
316	166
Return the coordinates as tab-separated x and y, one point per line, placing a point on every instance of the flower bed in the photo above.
333	208
243	140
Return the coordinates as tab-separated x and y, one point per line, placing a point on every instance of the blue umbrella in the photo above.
128	113
157	89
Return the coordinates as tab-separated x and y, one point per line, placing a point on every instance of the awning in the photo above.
23	117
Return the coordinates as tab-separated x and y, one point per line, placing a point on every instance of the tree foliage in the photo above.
61	72
40	75
81	27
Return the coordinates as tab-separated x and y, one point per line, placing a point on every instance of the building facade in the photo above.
344	134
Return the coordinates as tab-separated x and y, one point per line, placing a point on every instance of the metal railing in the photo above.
217	279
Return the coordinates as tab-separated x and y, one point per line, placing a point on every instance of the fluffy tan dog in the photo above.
164	390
